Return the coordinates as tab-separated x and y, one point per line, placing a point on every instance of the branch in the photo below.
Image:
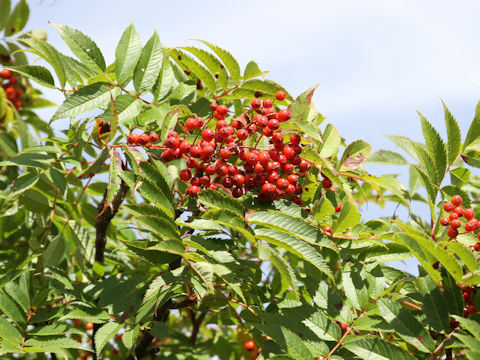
102	222
196	322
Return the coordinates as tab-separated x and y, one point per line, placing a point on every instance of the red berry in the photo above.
261	121
297	200
295	139
459	211
455	223
282	184
222	170
258	168
267	103
228	182
185	147
218	116
12	80
321	358
453	216
191	163
457	200
304	166
343	326
242	134
89	326
196	151
273	124
193	190
210	169
327	230
277	138
237	192
5	74
207	135
477	246
256	104
237	124
268	188
222	110
172	134
200	121
213	106
250	345
143	139
470	226
154	137
191	124
225	153
327	183
452	232
168	155
290	190
172	143
132	138
338	208
280	95
469	214
444	221
292	179
477	223
283	115
288	152
287	168
252	158
239	180
273	177
185	174
448	206
18	93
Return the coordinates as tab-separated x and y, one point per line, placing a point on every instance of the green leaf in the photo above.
36	73
304	116
17	19
54	252
48	330
149	65
406	325
228	60
355	287
374	348
22	184
452	294
298	247
355	154
4	12
169	123
205	271
128	108
198	70
287	274
9	333
435	147
127	54
434	304
165	81
464	254
470	325
130	336
331	142
474	130
114	180
387	157
267	87
97	316
83	47
252	70
470	342
293	226
212	63
221	201
87	98
349	217
55	344
11	310
453	134
104	334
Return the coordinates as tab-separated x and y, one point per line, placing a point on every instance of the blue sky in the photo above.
377	60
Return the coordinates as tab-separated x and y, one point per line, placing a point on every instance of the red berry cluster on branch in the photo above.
223	152
142	139
453	220
14	94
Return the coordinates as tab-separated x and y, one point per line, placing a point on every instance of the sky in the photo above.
378	61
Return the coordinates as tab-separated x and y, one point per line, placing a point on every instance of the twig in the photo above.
447	337
345	334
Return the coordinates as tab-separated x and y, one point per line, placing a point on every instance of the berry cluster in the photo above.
223	152
142	139
453	220
14	94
